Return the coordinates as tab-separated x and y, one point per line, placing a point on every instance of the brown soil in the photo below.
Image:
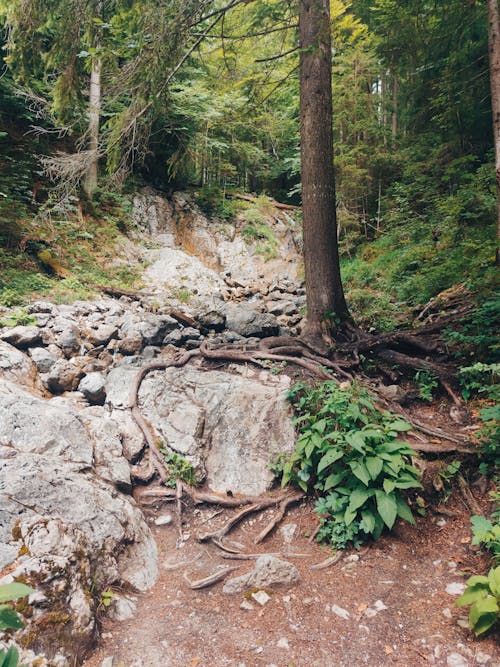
394	592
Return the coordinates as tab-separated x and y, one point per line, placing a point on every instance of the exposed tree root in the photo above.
210	580
328	562
467	495
284	504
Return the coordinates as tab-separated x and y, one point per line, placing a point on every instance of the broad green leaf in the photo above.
484	622
483	614
470	595
379	527
480	523
13	591
374	465
368	520
360	471
404	511
349	516
359	496
332	455
9	618
357	441
494	580
477	579
334	479
400	425
387	507
11	658
320	426
389	485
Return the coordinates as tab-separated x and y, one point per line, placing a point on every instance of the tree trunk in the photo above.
325	296
90	180
394	125
494	49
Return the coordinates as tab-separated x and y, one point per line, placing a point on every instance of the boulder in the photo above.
21	336
102	335
93	387
44	360
268	571
78	532
248	322
230	427
18	367
64	376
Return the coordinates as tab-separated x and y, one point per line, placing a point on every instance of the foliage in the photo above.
483	594
350	454
427	383
487	534
9	618
480	378
477	334
17	317
178	468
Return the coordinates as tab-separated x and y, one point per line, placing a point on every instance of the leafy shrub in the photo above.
487	534
350	454
9	619
483	594
427	383
477	334
480	378
179	468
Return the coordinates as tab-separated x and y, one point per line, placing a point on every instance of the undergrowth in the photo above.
349	454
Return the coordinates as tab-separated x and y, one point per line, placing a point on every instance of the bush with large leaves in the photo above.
349	452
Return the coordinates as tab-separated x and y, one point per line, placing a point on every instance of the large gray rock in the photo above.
248	322
18	367
230	427
93	387
64	375
43	358
78	532
268	571
21	336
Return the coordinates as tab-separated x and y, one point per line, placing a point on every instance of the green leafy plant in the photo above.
16	317
179	468
480	378
350	454
486	534
427	384
9	618
483	594
106	598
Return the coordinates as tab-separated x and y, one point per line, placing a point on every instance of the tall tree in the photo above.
325	295
494	49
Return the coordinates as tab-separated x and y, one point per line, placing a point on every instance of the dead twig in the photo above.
327	563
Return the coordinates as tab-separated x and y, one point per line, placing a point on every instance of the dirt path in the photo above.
386	605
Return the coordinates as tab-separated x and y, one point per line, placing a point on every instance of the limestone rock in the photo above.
18	367
93	387
64	376
44	360
248	322
268	571
230	427
21	336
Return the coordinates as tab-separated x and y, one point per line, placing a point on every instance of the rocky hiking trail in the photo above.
126	574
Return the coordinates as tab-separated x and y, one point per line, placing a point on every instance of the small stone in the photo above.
93	387
482	658
108	661
370	612
288	531
283	643
379	605
456	588
163	520
342	613
456	660
447	613
463	623
247	606
441	522
261	597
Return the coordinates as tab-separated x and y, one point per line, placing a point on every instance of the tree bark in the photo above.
325	295
494	51
90	180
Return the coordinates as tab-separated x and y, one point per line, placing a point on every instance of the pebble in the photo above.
108	661
456	660
283	643
379	605
261	597
288	531
447	612
456	588
342	613
163	520
246	605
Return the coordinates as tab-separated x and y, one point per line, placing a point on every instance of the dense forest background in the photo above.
195	97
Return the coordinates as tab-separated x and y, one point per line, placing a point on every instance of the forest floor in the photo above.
391	603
